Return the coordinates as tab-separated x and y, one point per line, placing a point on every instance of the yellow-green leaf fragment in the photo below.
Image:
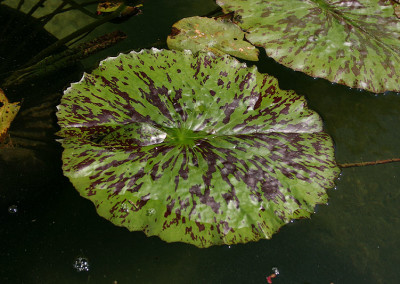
219	36
8	111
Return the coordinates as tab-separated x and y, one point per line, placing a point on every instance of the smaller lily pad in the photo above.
8	111
216	35
351	42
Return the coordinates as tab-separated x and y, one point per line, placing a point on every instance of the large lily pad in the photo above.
198	149
351	42
216	35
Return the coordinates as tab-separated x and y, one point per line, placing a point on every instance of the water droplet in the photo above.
150	212
275	270
125	207
81	264
13	209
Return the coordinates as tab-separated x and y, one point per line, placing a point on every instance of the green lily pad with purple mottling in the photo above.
193	148
219	36
351	42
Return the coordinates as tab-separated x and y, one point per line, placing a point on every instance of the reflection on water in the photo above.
352	240
81	264
13	209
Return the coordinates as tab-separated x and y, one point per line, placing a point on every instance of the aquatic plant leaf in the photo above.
216	35
351	42
107	7
8	111
199	149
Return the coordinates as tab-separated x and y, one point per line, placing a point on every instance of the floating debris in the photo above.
13	209
273	275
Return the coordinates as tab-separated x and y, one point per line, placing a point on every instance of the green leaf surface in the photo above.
197	149
216	35
356	43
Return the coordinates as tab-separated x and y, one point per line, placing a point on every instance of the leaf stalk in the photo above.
373	163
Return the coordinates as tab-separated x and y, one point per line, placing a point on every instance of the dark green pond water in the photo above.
354	239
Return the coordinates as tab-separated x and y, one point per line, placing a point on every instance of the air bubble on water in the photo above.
150	211
275	270
81	264
13	209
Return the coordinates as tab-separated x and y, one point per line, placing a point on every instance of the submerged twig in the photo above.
35	7
71	43
362	164
45	19
21	2
81	8
64	59
75	34
100	43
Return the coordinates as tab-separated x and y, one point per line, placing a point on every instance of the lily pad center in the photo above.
183	136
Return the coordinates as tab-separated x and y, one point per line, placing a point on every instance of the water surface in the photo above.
354	239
